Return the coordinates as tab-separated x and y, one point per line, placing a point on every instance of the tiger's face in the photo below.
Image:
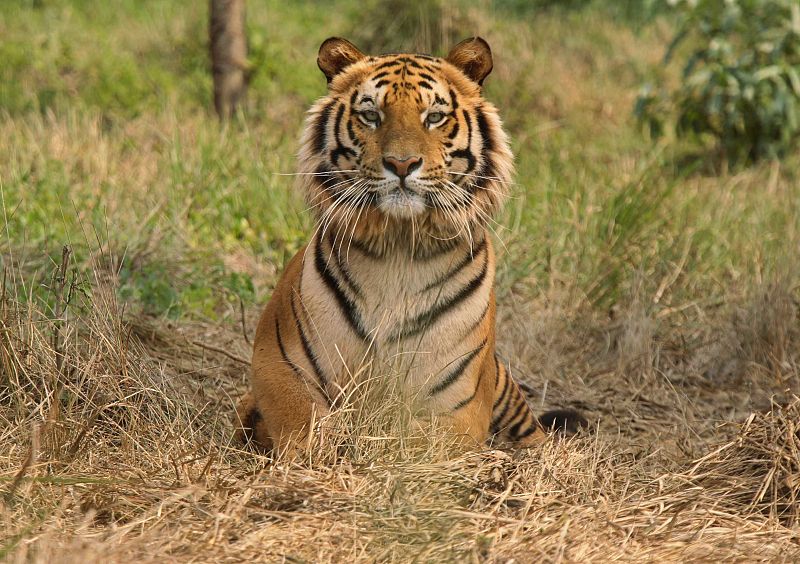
406	138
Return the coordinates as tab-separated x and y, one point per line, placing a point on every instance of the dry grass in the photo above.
116	446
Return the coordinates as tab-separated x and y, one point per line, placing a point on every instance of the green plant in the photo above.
740	83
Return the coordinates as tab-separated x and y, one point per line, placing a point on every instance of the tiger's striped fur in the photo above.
404	163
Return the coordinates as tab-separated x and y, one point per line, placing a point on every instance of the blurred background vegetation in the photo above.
109	143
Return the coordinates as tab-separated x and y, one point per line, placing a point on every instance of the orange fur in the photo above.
404	162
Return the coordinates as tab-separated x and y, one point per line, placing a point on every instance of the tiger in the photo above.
404	164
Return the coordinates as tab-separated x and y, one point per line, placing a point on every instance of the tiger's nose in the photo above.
402	167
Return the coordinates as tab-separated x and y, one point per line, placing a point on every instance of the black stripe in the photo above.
454	99
425	85
514	431
320	125
520	411
387	64
379	76
501	414
337	124
425	253
424	320
471	256
466	153
487	146
484	176
485	131
503	394
351	134
411	63
466	401
346	305
343	270
451	378
295	368
340	149
527	432
312	358
324	177
478	320
381	82
466	118
427	77
454	131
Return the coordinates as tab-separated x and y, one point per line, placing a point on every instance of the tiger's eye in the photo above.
434	117
371	116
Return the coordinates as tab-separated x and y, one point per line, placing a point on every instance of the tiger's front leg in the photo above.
279	412
285	399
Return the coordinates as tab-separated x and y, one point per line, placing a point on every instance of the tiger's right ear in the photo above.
335	54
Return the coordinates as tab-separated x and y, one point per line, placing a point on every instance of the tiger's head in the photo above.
405	139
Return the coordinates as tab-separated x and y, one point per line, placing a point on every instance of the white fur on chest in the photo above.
394	292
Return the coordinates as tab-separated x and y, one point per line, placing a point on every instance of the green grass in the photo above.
110	143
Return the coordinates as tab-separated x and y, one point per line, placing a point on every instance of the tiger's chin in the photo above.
402	204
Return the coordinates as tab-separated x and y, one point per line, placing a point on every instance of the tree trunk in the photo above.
228	54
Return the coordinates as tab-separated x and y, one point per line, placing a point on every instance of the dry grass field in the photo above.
650	285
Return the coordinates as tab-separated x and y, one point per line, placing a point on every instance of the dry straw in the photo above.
116	445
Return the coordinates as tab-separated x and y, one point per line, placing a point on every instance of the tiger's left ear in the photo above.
473	57
335	54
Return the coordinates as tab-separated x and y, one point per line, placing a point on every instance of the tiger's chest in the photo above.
397	316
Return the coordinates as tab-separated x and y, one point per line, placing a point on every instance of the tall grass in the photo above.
638	284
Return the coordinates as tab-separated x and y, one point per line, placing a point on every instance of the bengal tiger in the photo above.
404	163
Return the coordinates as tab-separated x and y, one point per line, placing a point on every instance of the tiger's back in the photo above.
404	163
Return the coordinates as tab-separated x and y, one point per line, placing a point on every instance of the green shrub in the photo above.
740	84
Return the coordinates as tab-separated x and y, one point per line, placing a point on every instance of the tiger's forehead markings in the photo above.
399	70
408	64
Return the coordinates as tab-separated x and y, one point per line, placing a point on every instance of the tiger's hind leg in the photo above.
513	420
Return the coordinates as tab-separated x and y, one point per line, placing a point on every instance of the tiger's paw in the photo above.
249	425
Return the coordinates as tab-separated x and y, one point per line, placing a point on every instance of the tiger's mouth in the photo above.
402	203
